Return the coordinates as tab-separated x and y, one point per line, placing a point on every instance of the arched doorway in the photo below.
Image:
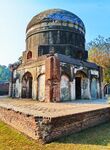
107	89
81	85
64	88
27	85
41	87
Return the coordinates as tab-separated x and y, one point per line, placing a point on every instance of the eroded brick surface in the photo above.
48	121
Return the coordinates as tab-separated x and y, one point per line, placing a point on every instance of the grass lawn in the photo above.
97	138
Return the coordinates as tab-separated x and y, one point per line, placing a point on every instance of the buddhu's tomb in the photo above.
54	65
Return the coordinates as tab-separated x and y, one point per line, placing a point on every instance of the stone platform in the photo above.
48	121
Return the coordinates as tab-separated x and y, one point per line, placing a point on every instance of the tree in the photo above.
99	52
4	74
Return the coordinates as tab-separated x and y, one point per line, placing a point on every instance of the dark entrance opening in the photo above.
78	87
27	86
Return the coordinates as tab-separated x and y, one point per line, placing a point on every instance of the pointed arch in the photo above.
29	55
41	87
64	88
27	85
81	84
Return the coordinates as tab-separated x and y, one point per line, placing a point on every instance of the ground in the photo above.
97	138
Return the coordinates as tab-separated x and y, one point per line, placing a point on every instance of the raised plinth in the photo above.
48	121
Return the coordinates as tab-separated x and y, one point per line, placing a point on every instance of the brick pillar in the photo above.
52	79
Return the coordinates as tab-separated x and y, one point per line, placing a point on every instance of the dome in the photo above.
57	15
56	29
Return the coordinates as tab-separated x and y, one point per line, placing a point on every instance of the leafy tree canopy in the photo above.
4	74
99	52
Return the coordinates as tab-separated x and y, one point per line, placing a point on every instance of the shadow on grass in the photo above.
99	135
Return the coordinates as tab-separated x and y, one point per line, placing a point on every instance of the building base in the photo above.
47	122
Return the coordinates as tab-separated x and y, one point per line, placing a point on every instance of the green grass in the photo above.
97	138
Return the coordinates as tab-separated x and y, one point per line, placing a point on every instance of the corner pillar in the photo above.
52	82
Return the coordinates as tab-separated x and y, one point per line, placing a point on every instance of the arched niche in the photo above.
41	87
27	85
29	55
64	88
107	89
94	92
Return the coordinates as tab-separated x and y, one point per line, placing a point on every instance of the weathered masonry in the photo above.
54	66
46	122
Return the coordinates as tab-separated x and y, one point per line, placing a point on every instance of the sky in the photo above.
16	14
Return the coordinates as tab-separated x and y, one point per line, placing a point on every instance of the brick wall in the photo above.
48	129
52	79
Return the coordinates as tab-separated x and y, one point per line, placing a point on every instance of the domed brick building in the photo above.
54	66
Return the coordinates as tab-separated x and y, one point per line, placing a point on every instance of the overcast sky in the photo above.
15	15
